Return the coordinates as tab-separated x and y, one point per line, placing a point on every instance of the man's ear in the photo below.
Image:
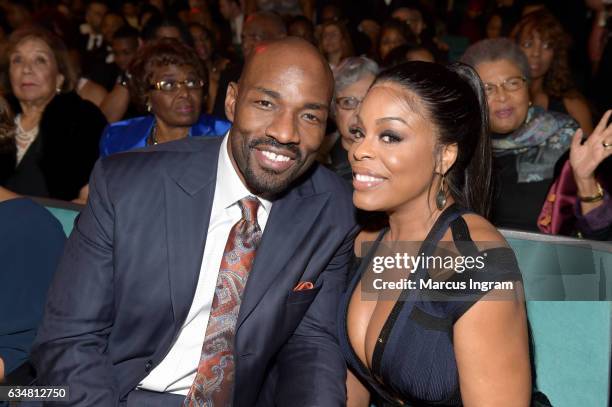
230	100
448	157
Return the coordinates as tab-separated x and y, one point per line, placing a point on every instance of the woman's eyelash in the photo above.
392	137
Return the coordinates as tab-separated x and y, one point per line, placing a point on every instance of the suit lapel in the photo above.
289	223
189	198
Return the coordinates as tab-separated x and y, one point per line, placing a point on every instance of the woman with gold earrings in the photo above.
55	142
415	332
169	82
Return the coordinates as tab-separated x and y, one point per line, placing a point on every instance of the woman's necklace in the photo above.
152	141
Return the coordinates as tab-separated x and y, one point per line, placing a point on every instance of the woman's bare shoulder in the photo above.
481	230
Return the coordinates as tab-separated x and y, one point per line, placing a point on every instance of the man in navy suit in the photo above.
127	312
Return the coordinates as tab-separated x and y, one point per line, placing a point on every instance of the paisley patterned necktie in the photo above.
214	382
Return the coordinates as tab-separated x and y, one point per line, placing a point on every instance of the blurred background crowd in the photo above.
83	79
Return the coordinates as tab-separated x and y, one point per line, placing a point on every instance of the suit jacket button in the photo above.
148	366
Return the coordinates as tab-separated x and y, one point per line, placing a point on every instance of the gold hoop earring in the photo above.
441	195
149	108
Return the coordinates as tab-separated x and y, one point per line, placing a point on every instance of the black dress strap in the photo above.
449	215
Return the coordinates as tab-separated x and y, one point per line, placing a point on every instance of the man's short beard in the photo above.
270	184
265	187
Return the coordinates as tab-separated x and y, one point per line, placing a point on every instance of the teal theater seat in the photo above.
65	212
570	312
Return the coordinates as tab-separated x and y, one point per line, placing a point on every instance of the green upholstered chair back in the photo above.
65	212
567	285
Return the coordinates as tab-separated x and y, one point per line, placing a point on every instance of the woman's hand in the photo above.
585	157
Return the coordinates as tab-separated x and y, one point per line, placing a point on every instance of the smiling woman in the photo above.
421	154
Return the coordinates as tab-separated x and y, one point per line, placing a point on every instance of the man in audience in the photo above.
258	27
92	47
124	45
151	305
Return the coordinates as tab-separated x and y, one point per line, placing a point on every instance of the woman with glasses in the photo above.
546	45
527	141
352	79
168	80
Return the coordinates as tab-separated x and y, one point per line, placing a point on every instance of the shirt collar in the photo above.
230	188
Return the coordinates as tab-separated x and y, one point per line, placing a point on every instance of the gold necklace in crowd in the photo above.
152	141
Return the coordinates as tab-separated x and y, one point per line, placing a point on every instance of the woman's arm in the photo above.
116	103
491	341
586	157
357	395
492	352
93	92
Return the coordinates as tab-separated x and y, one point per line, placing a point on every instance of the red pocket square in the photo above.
303	285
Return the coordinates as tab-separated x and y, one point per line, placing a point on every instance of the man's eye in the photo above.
264	103
526	44
311	117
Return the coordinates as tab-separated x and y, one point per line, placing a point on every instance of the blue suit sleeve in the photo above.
71	346
312	370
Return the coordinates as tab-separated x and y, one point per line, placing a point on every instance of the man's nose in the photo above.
283	128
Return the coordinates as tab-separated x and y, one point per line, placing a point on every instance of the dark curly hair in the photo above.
557	80
162	52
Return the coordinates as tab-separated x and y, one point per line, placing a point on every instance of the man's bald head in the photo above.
261	26
279	112
291	52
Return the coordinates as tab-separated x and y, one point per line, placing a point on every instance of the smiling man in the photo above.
207	272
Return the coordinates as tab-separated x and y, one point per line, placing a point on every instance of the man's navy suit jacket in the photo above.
129	273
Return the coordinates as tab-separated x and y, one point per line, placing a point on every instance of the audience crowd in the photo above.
85	79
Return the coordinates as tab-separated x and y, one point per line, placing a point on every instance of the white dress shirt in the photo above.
177	371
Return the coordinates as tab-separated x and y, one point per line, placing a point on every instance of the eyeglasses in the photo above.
510	85
172	86
348	103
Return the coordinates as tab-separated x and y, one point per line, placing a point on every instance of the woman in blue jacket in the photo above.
167	79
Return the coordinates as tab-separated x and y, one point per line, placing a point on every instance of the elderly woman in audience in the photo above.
335	43
352	79
542	38
168	81
527	140
57	132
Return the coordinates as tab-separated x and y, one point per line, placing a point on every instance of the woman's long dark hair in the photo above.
454	99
